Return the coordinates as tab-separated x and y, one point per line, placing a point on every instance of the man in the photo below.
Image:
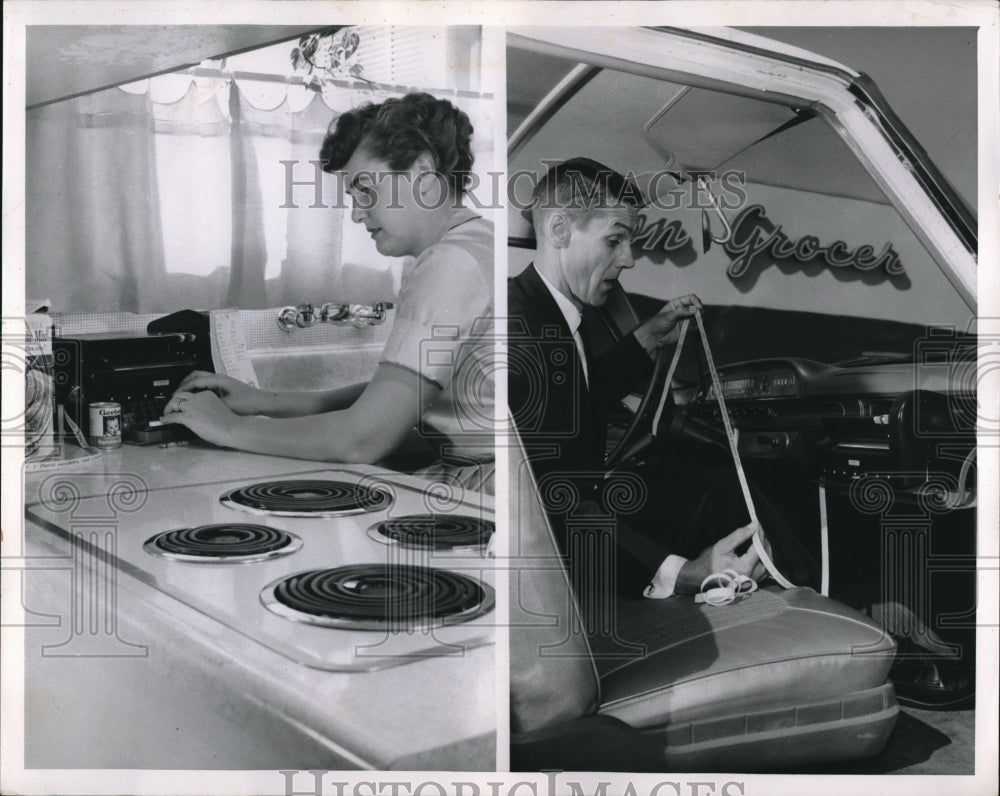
559	393
584	215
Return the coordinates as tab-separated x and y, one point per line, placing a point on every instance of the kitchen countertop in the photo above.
433	713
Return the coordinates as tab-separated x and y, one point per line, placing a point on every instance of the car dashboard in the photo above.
909	422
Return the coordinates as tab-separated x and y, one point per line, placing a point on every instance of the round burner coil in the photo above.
307	498
225	542
434	531
379	597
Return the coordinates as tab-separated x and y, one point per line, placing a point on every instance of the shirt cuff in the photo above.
663	582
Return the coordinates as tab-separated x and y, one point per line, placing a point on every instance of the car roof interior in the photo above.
691	128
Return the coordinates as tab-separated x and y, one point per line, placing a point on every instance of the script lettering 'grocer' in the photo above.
753	235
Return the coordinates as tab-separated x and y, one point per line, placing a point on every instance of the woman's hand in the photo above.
369	429
664	328
238	397
202	412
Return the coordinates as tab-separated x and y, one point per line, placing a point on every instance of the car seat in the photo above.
774	680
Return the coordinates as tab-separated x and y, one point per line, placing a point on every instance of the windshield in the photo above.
753	202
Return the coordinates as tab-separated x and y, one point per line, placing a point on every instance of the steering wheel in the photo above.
637	438
619	315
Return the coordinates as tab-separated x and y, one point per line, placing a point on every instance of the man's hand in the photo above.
664	328
719	557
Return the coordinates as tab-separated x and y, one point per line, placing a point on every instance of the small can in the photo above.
106	424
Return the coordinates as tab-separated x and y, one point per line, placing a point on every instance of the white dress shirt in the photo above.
573	320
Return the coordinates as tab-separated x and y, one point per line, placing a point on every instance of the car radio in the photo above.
140	371
909	440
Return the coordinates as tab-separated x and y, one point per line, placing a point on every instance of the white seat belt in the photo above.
731	437
824	541
670	376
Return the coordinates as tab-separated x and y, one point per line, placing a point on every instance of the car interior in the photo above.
846	364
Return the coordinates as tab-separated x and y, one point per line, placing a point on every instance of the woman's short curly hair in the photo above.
399	130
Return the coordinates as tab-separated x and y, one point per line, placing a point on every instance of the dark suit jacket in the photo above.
562	421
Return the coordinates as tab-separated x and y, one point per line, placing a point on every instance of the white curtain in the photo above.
94	238
140	205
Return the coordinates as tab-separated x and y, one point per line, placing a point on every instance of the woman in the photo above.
406	165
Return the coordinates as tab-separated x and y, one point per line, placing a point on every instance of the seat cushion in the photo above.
849	727
772	649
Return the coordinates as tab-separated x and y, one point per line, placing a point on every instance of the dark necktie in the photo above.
588	351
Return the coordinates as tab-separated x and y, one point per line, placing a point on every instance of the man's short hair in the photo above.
581	187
